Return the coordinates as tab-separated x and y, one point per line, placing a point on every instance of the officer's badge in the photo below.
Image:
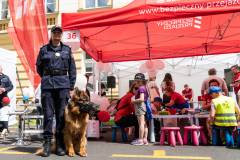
57	54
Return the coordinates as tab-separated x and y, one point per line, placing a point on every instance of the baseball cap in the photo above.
56	29
139	76
214	89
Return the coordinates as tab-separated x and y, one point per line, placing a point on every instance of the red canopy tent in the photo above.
151	29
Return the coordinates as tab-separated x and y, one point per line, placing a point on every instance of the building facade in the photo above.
53	9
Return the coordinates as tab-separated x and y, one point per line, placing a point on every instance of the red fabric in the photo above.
125	107
29	33
208	99
187	93
177	98
103	116
236	77
148	29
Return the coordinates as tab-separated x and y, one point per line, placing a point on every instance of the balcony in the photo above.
52	19
4	25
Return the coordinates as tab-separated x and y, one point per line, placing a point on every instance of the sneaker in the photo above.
133	141
138	142
145	141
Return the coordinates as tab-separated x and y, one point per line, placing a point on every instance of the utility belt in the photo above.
55	72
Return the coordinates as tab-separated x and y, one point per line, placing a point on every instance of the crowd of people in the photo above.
214	98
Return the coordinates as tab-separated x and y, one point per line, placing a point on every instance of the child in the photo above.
157	105
139	100
187	93
4	116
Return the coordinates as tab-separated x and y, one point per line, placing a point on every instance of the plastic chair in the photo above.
171	131
194	135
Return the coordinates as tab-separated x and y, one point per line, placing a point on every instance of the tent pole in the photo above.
19	81
148	40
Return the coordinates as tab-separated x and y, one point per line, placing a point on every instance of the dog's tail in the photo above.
39	151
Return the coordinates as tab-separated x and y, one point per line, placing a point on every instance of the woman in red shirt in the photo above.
125	117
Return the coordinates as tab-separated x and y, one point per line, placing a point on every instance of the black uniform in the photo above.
6	83
57	70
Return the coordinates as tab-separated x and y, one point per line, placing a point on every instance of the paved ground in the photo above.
103	149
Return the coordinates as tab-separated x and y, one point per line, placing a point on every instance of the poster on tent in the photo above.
8	63
72	38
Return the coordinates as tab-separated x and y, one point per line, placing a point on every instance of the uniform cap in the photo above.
56	29
139	76
214	89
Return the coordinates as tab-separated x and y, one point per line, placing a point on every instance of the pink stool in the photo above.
171	135
194	135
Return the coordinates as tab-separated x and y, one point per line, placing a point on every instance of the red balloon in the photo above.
103	116
5	100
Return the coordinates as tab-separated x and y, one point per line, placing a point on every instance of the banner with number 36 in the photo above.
72	38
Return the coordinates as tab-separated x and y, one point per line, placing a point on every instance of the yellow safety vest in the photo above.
225	111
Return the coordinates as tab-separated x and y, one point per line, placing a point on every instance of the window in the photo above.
89	67
50	6
3	9
96	3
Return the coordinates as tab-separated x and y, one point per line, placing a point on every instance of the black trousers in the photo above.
129	121
54	102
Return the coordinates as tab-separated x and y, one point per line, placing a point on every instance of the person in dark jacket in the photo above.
5	85
56	67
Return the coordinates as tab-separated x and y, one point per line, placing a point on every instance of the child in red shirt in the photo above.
187	93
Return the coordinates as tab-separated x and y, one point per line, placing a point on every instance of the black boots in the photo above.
46	148
60	146
60	150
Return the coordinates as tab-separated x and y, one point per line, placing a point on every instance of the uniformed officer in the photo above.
5	85
56	67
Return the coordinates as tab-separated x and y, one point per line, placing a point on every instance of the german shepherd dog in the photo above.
76	122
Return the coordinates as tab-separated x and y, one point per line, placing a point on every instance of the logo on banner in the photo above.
178	23
195	22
